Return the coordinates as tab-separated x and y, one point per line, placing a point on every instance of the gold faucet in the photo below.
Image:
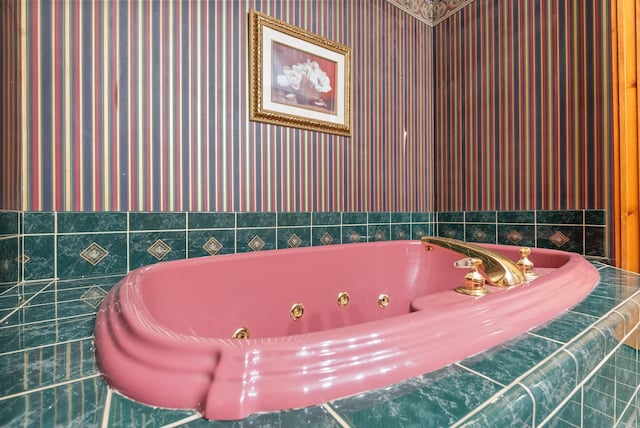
498	269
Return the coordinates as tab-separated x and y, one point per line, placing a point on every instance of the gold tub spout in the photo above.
498	269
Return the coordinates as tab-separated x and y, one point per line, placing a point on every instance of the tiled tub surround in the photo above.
572	371
72	245
68	245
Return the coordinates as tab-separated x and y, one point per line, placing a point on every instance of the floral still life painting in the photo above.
297	78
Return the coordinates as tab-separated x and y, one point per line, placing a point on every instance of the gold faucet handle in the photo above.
473	281
525	265
468	263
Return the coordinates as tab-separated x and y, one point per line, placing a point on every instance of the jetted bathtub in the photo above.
237	334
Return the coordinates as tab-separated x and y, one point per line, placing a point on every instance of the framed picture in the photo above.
297	78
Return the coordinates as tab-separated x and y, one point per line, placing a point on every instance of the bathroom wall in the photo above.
523	107
9	103
142	106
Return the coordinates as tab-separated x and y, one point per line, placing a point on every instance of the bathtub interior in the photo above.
214	297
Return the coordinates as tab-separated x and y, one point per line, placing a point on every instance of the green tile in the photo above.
595	306
78	404
40	250
146	248
211	220
569	415
9	223
157	221
39	222
211	242
19	336
401	217
400	231
326	235
10	297
551	383
313	417
451	217
565	327
73	222
327	219
438	398
517	234
354	233
595	241
422	217
251	220
46	366
294	219
560	217
75	328
379	218
128	413
480	216
451	230
9	260
379	232
293	237
596	418
78	307
588	350
255	239
418	230
512	408
81	255
354	218
480	232
566	238
516	217
506	362
595	217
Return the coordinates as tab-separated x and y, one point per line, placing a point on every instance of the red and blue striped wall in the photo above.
523	106
126	106
131	106
10	78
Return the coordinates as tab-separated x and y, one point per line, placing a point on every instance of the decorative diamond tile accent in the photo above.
479	234
354	237
400	234
212	246
294	241
326	238
159	249
379	235
256	243
23	259
450	233
559	239
93	296
94	253
515	236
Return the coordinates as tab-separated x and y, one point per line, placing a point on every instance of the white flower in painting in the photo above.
304	73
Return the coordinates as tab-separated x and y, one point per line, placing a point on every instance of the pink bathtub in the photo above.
165	334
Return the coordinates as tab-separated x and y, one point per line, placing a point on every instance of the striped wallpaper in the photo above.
132	106
9	117
523	106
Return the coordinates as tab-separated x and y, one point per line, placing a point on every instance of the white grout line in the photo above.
550	357
107	409
183	421
479	374
20	351
26	302
335	415
44	388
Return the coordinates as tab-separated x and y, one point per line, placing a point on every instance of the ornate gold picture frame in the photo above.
297	78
